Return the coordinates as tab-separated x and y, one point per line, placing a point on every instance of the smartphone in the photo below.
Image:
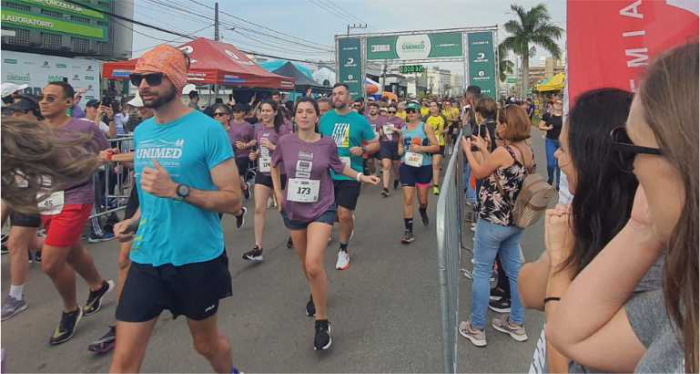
478	133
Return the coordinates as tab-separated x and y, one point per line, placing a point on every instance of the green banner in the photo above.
482	64
414	47
51	24
61	6
350	65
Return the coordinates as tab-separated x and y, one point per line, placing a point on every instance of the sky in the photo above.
314	23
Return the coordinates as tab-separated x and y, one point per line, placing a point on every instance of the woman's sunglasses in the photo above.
626	150
220	114
392	112
153	79
411	111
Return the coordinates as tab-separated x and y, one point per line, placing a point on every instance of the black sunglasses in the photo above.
153	79
626	150
220	114
392	111
411	111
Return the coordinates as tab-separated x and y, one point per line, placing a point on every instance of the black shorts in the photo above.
25	220
441	152
389	150
411	175
132	205
328	217
266	180
346	193
242	163
191	290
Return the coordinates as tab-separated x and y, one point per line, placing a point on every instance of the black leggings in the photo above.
503	282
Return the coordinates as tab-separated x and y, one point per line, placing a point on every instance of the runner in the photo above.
417	143
308	206
377	121
242	137
64	215
401	110
389	149
348	129
185	174
451	114
439	125
324	106
266	135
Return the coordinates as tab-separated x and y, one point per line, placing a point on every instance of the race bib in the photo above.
388	129
303	190
52	205
346	161
414	159
265	162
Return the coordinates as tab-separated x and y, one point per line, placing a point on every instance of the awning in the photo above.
555	83
213	62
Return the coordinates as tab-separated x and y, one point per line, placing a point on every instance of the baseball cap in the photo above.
23	104
92	103
10	88
136	102
413	105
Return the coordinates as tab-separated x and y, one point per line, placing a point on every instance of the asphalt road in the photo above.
384	309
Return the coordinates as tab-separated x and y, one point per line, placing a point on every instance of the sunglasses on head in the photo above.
153	79
626	150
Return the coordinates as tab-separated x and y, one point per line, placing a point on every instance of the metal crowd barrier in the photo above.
450	223
114	181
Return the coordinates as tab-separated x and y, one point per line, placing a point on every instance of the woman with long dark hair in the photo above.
599	322
267	133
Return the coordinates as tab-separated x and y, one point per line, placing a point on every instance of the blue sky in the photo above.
315	22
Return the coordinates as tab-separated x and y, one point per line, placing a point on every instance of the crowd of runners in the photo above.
309	159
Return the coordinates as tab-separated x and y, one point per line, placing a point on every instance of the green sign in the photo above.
52	24
414	47
410	69
482	64
61	6
349	63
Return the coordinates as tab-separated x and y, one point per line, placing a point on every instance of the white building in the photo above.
439	81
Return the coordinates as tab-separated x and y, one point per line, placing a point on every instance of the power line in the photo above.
167	41
336	6
277	46
331	10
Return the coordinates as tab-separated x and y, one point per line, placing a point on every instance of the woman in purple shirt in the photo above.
308	203
242	138
267	132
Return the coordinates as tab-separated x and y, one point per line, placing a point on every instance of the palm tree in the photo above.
533	26
505	66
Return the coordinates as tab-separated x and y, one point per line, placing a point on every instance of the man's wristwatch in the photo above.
182	192
364	149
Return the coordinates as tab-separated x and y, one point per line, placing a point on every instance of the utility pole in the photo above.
383	79
356	26
217	37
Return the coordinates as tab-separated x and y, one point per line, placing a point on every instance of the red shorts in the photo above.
64	229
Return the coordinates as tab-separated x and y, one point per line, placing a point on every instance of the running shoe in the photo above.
30	256
475	336
106	343
94	301
407	238
3	240
396	184
503	324
497	294
343	262
310	307
467	274
290	243
240	220
254	255
105	237
12	307
322	340
66	328
246	191
500	306
385	193
37	256
436	190
424	218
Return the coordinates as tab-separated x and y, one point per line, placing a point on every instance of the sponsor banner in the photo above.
350	65
62	6
33	21
38	70
414	47
634	32
482	64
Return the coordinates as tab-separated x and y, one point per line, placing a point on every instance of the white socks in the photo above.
17	292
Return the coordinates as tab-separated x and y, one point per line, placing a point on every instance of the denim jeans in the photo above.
493	240
551	146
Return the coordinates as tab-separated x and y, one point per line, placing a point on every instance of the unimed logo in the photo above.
10	61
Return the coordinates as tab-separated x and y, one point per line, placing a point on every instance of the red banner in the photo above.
610	42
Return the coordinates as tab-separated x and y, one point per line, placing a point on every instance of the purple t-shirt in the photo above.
376	123
393	137
263	132
83	193
311	161
243	132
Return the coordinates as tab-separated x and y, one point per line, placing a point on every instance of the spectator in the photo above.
102	116
194	100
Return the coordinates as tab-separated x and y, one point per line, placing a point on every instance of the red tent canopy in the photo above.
213	62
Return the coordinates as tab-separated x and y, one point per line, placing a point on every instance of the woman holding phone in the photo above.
307	203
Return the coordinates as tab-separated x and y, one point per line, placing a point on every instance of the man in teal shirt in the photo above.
349	130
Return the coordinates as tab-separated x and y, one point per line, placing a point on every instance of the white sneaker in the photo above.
343	261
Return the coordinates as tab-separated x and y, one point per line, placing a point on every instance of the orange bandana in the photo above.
165	59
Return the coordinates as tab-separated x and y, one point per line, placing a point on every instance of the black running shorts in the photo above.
242	163
191	290
266	180
346	193
389	150
25	220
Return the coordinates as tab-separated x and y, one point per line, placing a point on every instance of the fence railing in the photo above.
113	181
450	223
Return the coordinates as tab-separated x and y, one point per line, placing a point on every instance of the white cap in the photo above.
136	102
189	88
10	88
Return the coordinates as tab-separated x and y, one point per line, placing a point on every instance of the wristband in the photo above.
548	299
359	175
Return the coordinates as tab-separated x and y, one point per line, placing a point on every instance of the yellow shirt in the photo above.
424	111
438	125
451	114
401	115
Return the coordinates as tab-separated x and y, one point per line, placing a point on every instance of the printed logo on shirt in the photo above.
168	153
341	135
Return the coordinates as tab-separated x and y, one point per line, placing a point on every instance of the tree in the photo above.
505	66
532	26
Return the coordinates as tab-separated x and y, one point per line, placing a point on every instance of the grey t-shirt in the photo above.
650	322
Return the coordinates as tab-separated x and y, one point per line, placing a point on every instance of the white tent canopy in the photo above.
325	77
